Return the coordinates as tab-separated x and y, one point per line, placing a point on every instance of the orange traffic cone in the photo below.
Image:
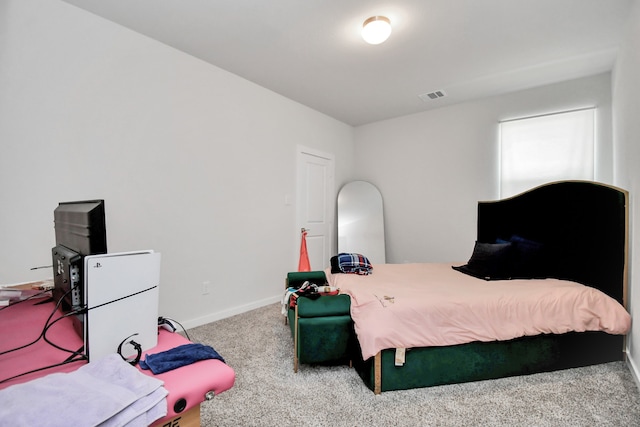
303	264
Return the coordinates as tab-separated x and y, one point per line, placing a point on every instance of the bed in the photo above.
571	238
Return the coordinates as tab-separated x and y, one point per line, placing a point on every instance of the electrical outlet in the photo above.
205	287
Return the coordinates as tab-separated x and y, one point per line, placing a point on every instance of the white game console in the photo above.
121	297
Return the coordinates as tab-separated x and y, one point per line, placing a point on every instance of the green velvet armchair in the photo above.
322	328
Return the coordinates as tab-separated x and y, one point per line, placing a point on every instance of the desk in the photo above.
22	324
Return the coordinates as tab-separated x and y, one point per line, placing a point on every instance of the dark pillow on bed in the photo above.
489	261
335	265
529	259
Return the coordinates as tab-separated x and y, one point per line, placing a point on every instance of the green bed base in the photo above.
431	366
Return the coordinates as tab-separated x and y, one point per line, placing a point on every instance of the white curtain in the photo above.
542	149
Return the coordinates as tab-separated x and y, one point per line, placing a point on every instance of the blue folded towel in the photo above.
179	356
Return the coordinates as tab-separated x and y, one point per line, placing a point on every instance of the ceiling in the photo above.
311	51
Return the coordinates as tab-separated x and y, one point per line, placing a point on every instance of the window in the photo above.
542	149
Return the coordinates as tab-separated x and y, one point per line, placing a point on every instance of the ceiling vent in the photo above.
432	95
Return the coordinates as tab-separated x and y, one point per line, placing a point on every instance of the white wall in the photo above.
193	162
433	167
626	132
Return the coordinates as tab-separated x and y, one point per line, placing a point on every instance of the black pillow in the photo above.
335	265
489	261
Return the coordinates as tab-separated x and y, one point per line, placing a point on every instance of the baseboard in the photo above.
634	370
230	312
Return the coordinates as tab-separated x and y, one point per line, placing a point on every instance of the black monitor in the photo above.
80	226
80	231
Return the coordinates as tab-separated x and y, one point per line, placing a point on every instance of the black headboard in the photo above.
582	224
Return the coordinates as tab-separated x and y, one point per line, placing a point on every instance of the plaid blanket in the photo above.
354	263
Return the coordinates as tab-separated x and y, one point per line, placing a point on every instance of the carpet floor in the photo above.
258	345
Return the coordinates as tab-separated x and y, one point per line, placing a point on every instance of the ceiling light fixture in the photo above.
376	29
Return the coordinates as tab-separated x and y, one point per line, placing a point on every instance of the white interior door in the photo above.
315	205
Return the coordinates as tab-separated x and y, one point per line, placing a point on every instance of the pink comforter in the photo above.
420	305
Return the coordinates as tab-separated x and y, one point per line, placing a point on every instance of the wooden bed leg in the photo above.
286	286
295	342
377	373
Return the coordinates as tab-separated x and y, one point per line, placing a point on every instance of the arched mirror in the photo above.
361	221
